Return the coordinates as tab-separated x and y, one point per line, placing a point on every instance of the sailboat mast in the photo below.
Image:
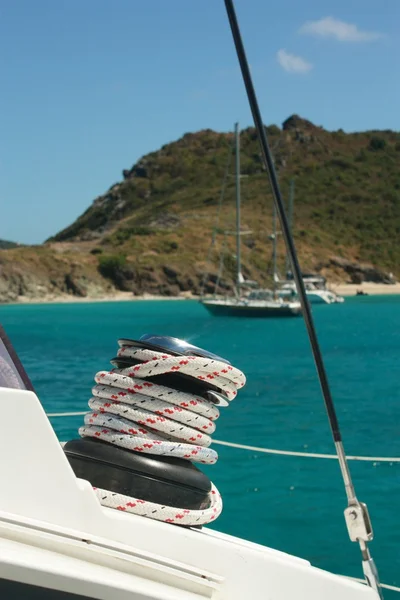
237	174
290	219
274	249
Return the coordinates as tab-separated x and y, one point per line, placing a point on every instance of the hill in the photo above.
151	232
4	245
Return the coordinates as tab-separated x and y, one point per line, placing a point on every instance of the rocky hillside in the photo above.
152	231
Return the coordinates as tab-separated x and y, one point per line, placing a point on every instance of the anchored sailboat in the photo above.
315	284
256	303
316	290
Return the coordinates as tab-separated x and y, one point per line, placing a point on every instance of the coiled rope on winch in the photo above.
131	412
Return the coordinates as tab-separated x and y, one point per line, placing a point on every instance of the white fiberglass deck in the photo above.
55	534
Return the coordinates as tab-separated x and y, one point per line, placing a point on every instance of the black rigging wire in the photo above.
356	512
269	164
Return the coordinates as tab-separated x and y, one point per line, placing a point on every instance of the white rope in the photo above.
130	411
389	459
168	514
390	587
386	586
222	375
67	414
306	454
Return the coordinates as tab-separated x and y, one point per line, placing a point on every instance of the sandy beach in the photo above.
116	297
372	289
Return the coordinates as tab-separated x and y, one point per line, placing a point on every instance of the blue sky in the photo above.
89	86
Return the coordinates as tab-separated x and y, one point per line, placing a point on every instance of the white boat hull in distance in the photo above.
324	297
314	296
251	308
55	535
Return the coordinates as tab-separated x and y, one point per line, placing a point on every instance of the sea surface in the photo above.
290	503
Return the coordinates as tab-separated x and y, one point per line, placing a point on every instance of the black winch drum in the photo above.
160	479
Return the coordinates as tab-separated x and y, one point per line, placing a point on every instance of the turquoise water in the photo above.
292	504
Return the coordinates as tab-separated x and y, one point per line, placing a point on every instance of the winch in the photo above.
151	419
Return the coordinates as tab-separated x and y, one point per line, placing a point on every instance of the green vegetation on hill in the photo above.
4	244
152	231
347	198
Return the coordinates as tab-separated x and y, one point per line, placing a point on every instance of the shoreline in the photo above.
370	289
117	297
343	289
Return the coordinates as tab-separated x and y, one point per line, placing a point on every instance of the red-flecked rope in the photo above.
168	514
142	416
